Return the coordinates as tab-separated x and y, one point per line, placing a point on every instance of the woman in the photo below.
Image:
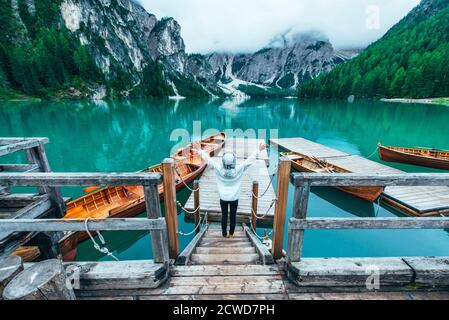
229	181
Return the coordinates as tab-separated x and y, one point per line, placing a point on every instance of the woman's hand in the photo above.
263	146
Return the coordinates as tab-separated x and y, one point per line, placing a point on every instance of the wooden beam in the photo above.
281	206
18	146
54	225
369	223
19	167
184	256
158	237
171	212
196	204
42	140
261	249
79	179
296	237
254	202
355	179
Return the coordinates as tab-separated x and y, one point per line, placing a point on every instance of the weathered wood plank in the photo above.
19	167
246	258
226	270
79	179
15	146
184	257
116	224
318	272
118	274
228	250
369	223
430	271
262	250
357	179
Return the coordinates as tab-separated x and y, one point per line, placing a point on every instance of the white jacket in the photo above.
229	187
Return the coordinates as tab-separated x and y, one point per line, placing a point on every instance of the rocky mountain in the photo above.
286	63
115	48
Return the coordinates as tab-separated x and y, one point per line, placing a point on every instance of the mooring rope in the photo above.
101	248
377	207
202	223
372	154
260	238
268	186
185	210
266	213
182	180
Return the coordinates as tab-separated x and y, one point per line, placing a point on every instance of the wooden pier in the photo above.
411	200
212	267
209	199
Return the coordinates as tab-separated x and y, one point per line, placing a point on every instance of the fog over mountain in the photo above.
246	26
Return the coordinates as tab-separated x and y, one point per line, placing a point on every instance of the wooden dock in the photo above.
209	199
411	200
213	267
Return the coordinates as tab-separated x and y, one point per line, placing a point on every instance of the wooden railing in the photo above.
303	182
149	181
37	162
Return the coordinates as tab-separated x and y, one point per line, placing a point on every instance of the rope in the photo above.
182	180
101	248
185	210
268	186
265	214
372	154
377	207
196	227
255	232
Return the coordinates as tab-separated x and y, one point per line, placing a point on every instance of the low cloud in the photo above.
248	25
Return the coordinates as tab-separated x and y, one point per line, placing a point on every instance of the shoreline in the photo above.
434	101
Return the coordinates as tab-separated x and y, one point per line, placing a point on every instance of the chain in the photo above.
101	248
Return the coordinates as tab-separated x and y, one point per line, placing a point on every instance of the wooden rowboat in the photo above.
432	158
304	163
129	201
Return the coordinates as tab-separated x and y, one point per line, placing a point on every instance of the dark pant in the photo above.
231	207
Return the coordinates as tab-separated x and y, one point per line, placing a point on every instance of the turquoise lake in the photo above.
128	136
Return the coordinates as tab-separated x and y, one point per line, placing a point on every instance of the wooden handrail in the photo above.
62	225
79	179
355	179
304	181
368	223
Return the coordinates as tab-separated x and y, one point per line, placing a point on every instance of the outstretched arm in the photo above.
209	161
251	159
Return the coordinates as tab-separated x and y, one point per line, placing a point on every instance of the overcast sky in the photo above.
248	25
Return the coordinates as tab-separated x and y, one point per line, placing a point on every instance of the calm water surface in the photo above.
129	136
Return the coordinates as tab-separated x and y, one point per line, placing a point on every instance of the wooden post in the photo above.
196	202
38	156
44	280
158	237
281	206
9	268
296	237
171	213
255	194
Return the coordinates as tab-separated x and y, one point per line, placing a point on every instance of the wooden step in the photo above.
224	270
221	250
224	243
248	258
220	237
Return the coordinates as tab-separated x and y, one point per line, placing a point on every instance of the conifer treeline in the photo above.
411	60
